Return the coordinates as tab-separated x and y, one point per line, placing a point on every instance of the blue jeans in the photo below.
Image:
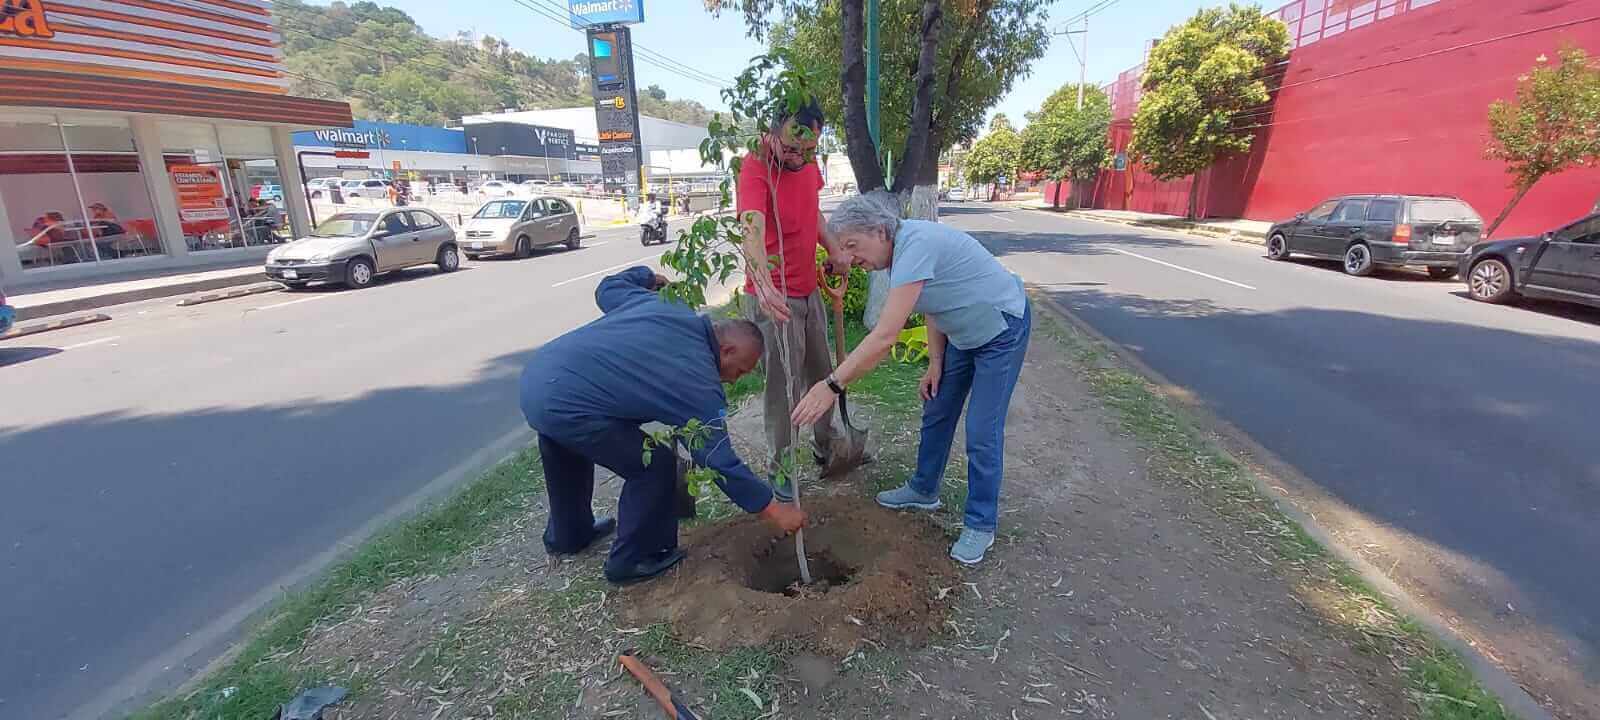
989	374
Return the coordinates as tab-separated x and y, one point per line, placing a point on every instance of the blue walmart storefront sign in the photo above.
368	135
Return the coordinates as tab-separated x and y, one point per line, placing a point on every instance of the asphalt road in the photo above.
1458	442
166	472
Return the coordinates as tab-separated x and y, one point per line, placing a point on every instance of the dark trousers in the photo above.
646	523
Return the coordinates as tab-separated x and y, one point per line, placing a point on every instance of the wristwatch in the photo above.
833	384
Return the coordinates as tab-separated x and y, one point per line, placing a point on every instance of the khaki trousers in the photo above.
807	333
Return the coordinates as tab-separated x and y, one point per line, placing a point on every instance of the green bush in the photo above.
855	297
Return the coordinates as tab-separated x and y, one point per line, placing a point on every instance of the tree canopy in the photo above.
1065	142
984	47
1199	81
389	69
996	154
1553	126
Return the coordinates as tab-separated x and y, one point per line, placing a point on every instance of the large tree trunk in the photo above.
916	150
858	141
1505	213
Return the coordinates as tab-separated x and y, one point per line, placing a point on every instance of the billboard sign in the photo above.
510	138
615	107
368	135
588	13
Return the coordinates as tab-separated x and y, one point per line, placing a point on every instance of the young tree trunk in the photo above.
1055	195
1193	212
1505	213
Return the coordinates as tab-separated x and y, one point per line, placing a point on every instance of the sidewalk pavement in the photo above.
32	305
1238	229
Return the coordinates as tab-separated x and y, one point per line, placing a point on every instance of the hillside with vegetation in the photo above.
388	68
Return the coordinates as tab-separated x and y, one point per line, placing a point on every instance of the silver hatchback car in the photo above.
355	247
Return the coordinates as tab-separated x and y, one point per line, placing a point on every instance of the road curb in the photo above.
1249	237
1516	700
231	294
147	293
62	324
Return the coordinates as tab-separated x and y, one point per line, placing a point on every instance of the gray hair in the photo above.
876	210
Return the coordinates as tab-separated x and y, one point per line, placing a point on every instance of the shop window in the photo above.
74	191
198	173
230	193
254	177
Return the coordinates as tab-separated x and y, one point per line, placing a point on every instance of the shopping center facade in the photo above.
141	136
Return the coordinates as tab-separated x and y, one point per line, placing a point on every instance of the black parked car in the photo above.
1366	232
1561	264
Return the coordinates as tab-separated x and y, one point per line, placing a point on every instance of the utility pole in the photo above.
872	71
1083	57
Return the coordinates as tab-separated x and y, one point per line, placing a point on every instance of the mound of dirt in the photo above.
877	575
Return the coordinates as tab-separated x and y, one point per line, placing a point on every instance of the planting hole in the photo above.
779	573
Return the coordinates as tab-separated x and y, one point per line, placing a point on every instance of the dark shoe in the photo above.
602	527
643	570
783	494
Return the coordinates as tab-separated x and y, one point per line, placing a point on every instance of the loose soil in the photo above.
878	577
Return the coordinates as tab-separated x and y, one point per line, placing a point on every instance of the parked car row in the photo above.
1444	237
355	247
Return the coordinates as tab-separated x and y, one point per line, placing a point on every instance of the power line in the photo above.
684	67
563	17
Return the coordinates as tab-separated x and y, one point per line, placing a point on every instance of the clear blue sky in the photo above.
683	31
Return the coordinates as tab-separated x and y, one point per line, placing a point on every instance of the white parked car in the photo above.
374	188
498	189
956	194
318	187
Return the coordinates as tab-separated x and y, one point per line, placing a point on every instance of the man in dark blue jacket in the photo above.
587	393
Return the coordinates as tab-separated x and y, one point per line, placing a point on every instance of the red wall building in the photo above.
1381	96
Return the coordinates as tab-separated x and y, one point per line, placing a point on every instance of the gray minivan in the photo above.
1366	232
515	227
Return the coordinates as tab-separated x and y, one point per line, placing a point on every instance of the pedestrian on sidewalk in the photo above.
588	391
979	320
779	184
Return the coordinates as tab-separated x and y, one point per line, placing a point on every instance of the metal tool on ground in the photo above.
657	689
849	449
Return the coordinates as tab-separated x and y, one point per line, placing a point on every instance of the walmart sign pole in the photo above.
616	98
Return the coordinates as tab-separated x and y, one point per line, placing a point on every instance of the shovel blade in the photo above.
848	450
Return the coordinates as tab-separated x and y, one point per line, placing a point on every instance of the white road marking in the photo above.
596	244
293	302
88	343
998	216
1180	267
630	263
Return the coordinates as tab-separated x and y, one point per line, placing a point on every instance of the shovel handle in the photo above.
651	683
835	297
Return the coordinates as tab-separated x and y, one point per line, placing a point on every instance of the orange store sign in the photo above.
24	18
200	194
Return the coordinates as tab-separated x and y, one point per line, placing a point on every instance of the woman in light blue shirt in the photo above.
978	326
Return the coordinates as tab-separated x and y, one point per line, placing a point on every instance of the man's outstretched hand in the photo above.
783	517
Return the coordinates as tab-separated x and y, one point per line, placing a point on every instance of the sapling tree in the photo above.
712	249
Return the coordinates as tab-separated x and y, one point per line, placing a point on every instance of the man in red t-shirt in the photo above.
777	188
